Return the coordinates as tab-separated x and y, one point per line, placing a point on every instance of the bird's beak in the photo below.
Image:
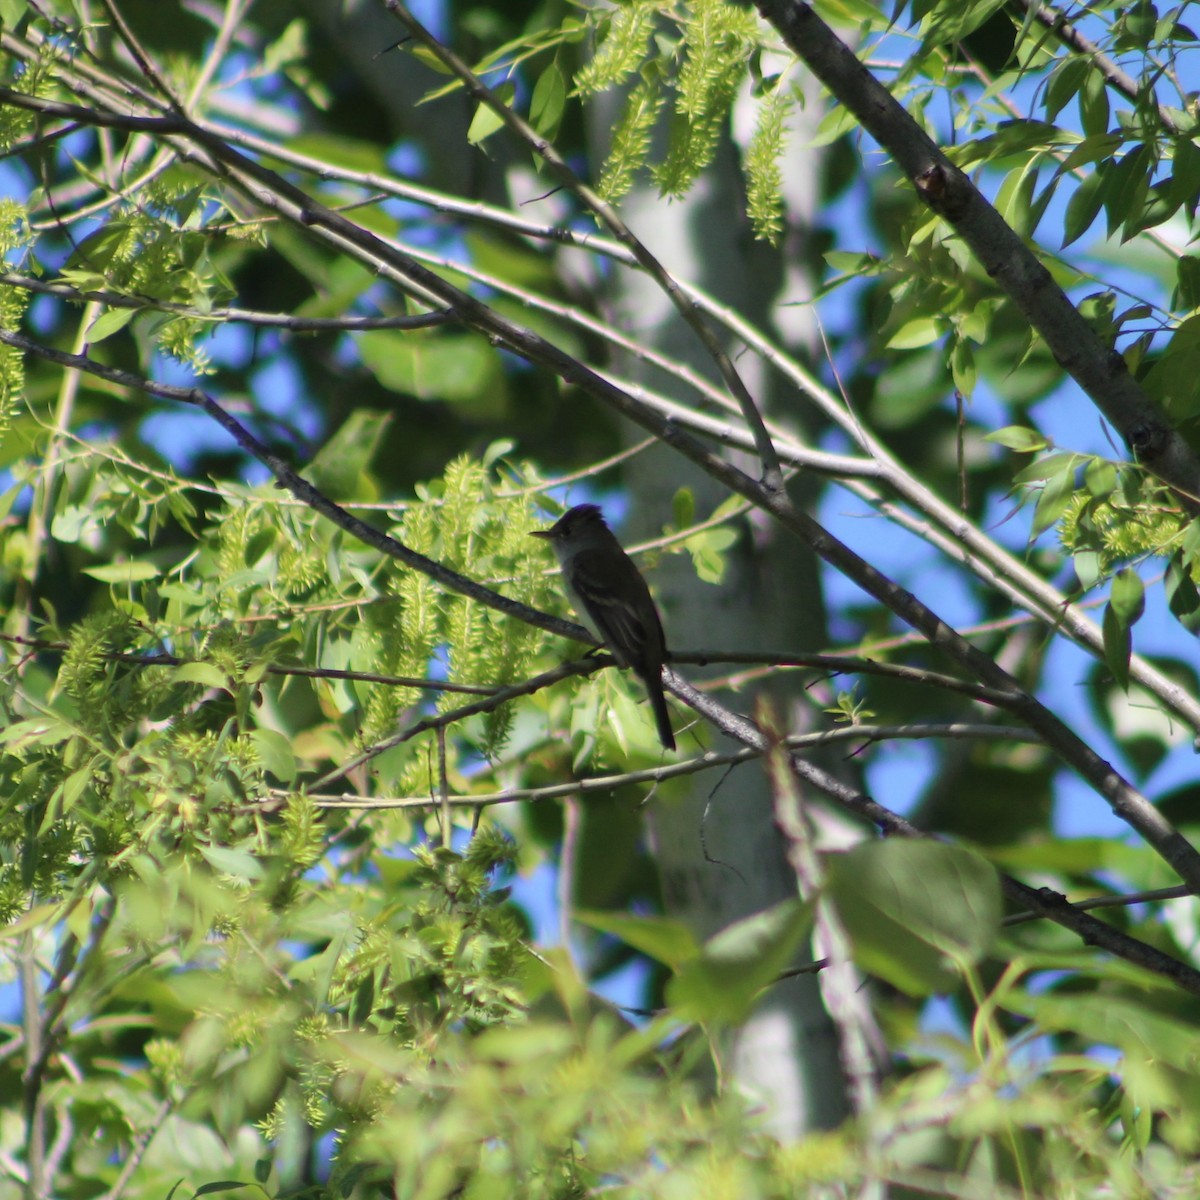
542	533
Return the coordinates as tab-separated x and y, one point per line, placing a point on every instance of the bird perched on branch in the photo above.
609	593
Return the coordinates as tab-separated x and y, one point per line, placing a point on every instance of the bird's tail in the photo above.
662	716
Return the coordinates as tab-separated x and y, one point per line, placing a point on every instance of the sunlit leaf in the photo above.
916	911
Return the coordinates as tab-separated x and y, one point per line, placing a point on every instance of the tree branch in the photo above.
1116	78
1100	371
242	316
140	1145
860	1043
656	775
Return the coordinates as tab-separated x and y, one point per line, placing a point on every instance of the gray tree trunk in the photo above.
718	851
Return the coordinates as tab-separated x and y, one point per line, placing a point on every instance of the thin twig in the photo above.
146	65
242	316
676	770
1122	901
172	660
444	788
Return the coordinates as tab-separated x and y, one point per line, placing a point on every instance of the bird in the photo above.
609	593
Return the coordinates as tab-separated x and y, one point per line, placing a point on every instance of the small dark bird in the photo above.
608	591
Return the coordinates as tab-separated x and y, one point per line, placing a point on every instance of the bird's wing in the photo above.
616	621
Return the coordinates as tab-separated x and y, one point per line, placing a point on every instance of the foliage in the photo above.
272	786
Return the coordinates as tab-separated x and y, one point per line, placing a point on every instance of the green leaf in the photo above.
1010	139
921	331
1083	207
1191	541
342	467
275	753
660	938
514	262
850	12
1018	437
708	551
1048	467
1128	598
724	980
457	369
74	786
1130	1023
1187	281
37	731
1065	81
548	101
1014	199
1073	856
854	262
1093	103
951	22
203	673
1185	174
1051	503
287	49
1118	646
108	323
1098	148
1125	196
837	123
352	153
916	911
424	55
126	572
239	864
1172	379
962	367
1100	477
683	508
1183	598
486	121
72	521
1087	568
